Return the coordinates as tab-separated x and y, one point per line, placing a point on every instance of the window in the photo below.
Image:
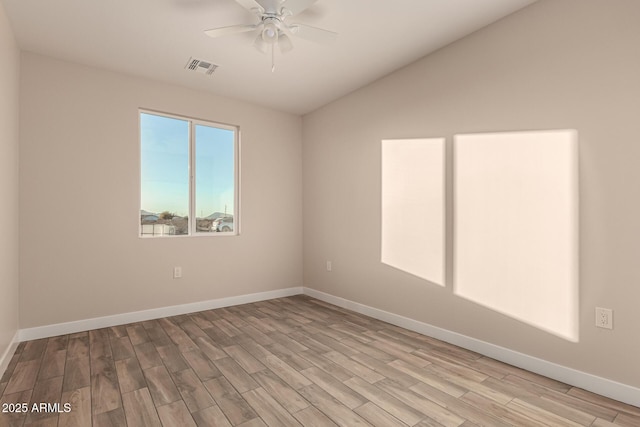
188	177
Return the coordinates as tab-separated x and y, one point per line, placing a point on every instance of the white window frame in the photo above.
193	122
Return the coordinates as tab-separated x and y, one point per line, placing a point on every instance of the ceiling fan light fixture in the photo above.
270	33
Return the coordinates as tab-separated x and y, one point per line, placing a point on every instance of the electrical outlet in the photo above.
177	272
328	265
604	318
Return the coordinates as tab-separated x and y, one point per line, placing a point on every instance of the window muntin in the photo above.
188	169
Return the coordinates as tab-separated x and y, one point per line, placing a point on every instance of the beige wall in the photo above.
80	252
9	82
554	65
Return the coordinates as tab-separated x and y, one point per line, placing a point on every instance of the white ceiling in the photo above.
156	38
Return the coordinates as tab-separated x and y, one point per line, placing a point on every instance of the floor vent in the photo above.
200	66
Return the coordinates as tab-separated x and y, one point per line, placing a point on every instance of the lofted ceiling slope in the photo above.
156	38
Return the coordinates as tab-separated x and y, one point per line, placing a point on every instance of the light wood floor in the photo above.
291	361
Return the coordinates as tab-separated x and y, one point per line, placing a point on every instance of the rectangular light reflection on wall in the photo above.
413	205
516	226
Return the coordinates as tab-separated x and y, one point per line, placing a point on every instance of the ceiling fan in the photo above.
274	26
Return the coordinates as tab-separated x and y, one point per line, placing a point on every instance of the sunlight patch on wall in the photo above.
413	206
516	226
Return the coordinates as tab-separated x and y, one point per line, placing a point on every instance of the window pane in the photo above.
164	176
214	182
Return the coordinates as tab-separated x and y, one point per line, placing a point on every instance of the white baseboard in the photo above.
156	313
5	358
602	386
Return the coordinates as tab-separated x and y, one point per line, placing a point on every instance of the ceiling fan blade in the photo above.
234	29
297	6
313	34
251	6
285	43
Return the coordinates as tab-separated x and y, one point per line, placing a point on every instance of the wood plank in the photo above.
271	412
377	416
291	358
77	373
351	365
290	399
327	365
34	350
429	378
390	404
113	418
147	355
334	345
234	407
256	422
399	354
385	370
10	367
177	335
43	422
457	368
137	334
122	348
176	414
544	417
464	382
192	330
627	420
237	376
15	418
55	344
23	377
467	410
172	358
335	388
200	320
312	417
204	368
161	386
105	394
211	416
560	409
78	346
117	331
604	401
80	414
139	409
130	376
52	365
421	404
209	347
242	357
46	391
259	337
337	412
289	375
193	392
494	409
367	350
156	334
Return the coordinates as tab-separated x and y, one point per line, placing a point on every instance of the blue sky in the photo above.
165	166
